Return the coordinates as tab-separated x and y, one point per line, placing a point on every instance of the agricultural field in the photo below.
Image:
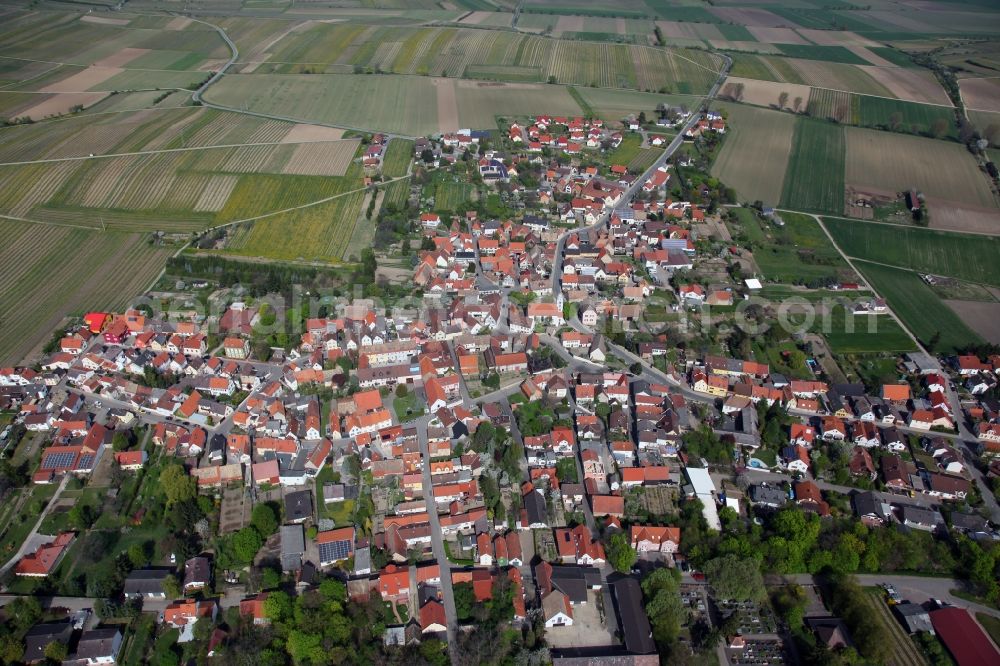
766	93
942	170
981	94
400	104
918	306
617	104
755	153
814	180
397	158
963	256
842	107
50	272
479	104
316	233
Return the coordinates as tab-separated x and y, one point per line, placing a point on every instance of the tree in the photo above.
939	127
246	543
23	613
782	99
621	554
278	606
427	155
171	587
270	579
566	470
735	578
305	648
797	104
264	518
465	600
177	484
120	440
663	605
81	516
138	554
895	119
56	651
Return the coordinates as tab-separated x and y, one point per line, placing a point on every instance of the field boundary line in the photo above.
903	226
849	92
172	150
299	207
76	64
850	262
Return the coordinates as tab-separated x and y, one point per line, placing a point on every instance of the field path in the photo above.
861	277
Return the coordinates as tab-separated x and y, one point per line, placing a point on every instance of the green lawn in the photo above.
851	334
408	407
748	224
964	256
814	180
991	625
918	306
339	512
799	253
626	151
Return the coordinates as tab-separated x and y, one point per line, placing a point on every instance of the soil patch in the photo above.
447	104
980	316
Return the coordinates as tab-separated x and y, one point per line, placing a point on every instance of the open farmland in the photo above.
814	180
894	162
923	312
972	258
403	104
981	94
617	104
766	93
480	103
50	272
397	158
315	233
754	155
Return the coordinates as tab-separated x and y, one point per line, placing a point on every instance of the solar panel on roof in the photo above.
86	461
58	460
333	551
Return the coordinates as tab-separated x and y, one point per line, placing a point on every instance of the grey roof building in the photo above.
632	617
771	496
293	545
99	646
146	583
914	617
40	635
298	506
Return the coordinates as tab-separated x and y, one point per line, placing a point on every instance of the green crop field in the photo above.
814	180
403	104
899	115
451	197
316	233
824	53
397	158
963	256
617	104
918	306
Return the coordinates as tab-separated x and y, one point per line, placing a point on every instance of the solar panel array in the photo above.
335	550
86	461
58	460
